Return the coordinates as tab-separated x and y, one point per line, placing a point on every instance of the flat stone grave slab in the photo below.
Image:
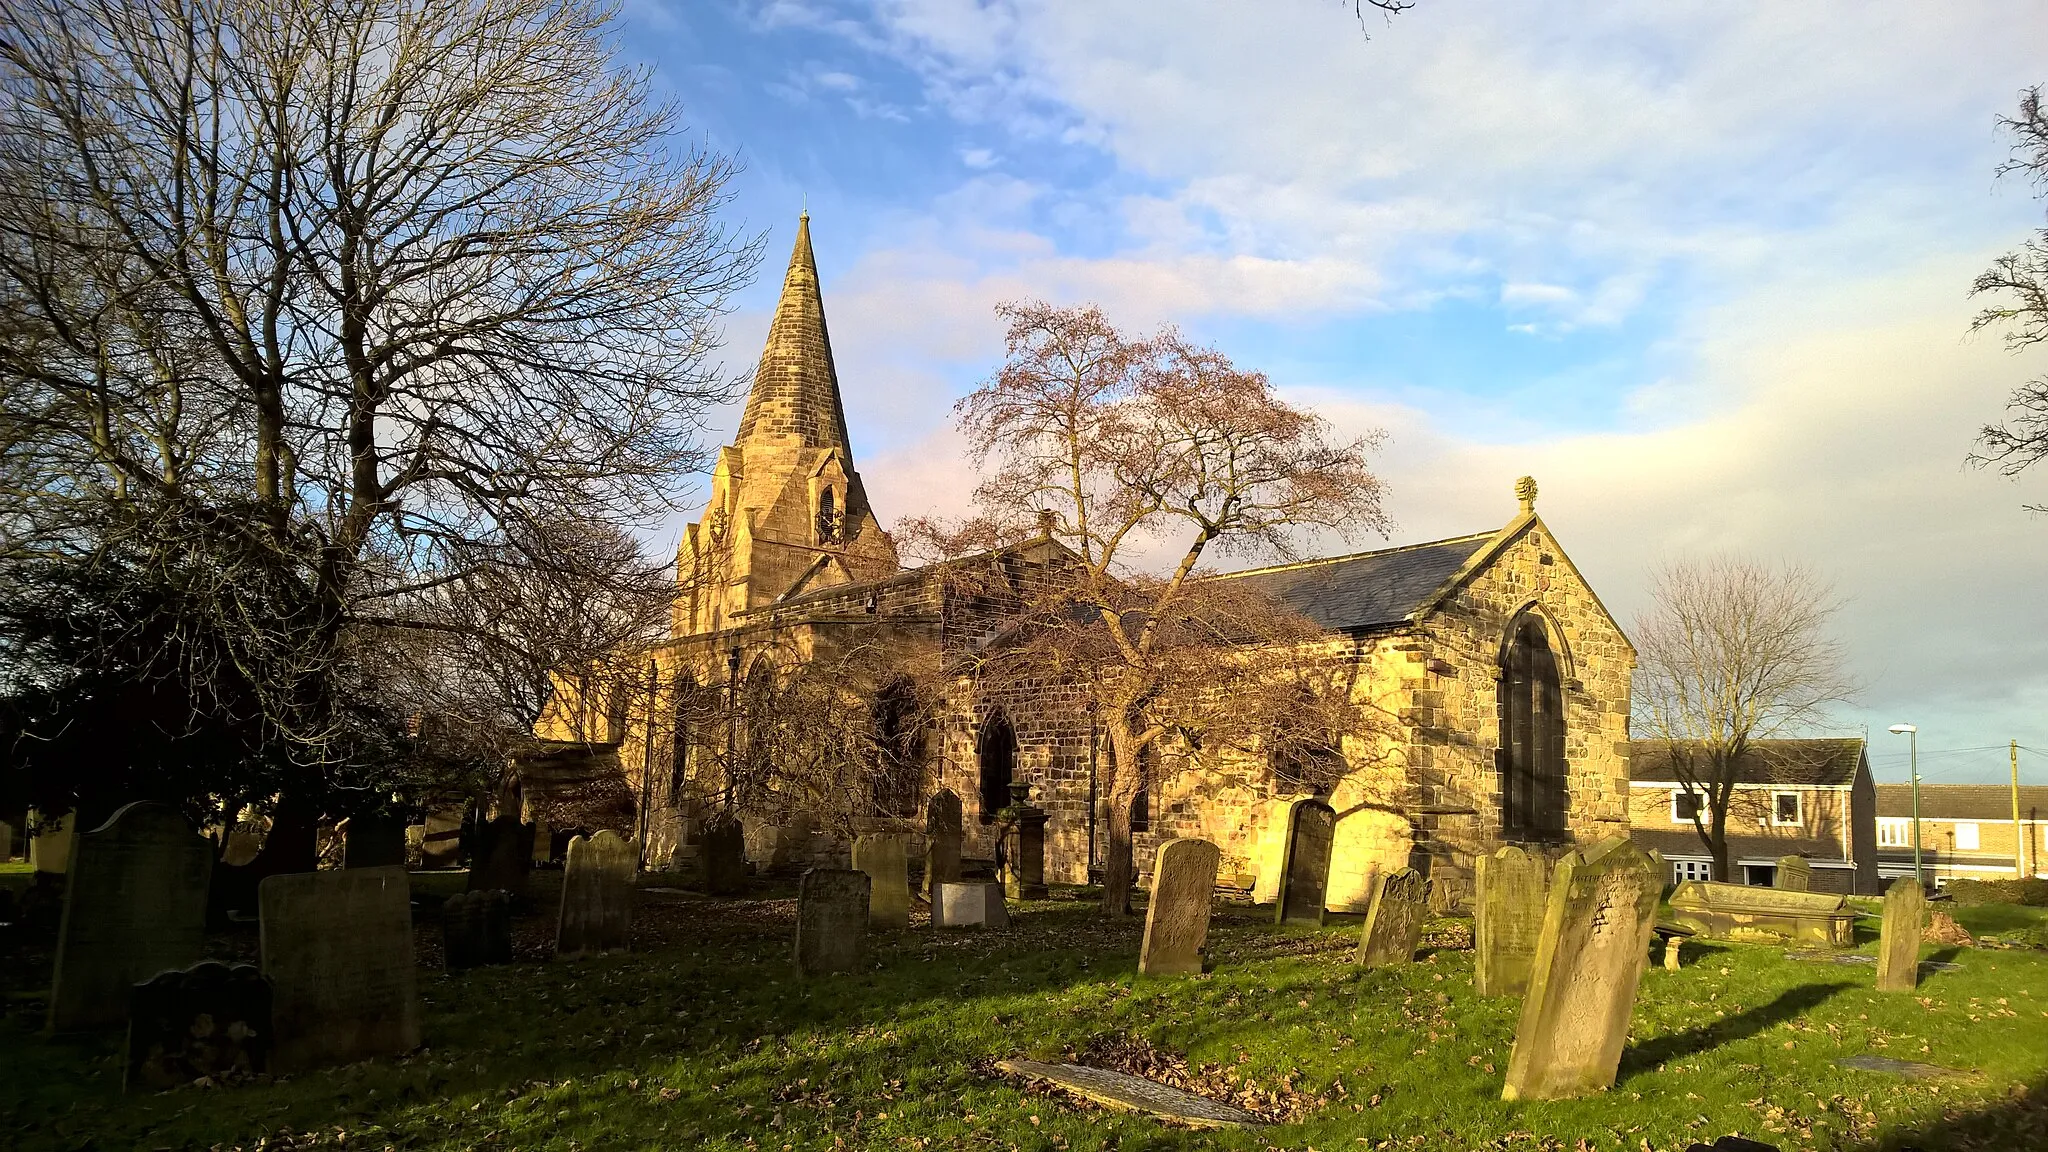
1133	1094
1831	957
1911	1070
1742	912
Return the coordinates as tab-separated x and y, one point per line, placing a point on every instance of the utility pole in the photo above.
2019	846
1912	734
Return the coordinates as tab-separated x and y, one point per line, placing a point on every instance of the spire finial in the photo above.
1525	491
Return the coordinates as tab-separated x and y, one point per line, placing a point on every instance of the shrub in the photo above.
2033	893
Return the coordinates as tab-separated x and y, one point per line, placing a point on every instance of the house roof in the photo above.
1683	841
1963	801
1794	763
1366	590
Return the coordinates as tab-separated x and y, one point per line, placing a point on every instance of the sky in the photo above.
1702	269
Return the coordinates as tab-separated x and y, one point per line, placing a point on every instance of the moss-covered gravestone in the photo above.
1393	924
1898	947
134	905
597	896
1589	961
1305	863
1177	918
942	832
831	920
881	856
1793	874
337	948
1508	904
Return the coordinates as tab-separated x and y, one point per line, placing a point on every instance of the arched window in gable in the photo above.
997	752
828	517
1534	799
899	748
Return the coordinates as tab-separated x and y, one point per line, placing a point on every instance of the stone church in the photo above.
1505	679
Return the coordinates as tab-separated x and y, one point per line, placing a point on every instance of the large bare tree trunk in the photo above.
1117	870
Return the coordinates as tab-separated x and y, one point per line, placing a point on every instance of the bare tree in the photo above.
1110	445
1732	652
2021	277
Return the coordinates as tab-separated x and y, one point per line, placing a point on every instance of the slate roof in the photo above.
1681	840
1366	590
1791	763
1963	801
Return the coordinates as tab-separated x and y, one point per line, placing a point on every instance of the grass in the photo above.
703	1038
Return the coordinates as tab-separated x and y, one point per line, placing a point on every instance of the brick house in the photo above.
1966	831
1810	798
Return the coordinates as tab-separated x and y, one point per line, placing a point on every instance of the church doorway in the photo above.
1533	794
997	752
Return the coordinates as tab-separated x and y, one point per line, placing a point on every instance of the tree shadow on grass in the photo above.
2018	1121
1664	1049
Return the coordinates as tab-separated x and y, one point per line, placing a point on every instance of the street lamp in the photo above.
1912	734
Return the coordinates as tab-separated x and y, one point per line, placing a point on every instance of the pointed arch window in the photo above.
828	517
899	748
1534	799
997	752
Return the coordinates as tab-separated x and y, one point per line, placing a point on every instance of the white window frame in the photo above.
1701	797
1894	832
1798	810
1968	837
1685	870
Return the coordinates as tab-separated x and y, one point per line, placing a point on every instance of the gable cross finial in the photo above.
1525	491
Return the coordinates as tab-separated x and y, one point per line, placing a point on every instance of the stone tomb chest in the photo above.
1763	915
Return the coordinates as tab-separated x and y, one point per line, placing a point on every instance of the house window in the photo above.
1684	870
1785	809
1532	766
1686	805
1966	837
1894	832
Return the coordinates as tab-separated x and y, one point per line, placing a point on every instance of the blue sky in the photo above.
1701	268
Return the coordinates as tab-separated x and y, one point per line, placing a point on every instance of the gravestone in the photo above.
476	929
49	844
374	841
1764	915
503	857
941	842
1024	862
1305	863
1589	961
973	904
597	896
1393	923
724	855
337	947
441	845
245	843
831	920
6	840
134	905
1133	1094
209	1020
543	846
880	855
1793	874
1446	895
1177	917
1898	947
1512	887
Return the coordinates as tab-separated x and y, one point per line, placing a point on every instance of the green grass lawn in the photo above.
703	1038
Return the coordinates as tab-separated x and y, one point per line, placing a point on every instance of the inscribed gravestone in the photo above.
1589	962
942	843
1177	917
134	905
724	857
1305	864
1793	874
1898	948
881	856
503	857
373	841
1393	924
476	929
337	947
1507	919
441	845
211	1019
597	896
973	904
831	920
49	844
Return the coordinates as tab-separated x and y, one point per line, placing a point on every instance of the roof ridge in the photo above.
1298	564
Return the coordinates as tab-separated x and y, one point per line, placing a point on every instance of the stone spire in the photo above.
795	398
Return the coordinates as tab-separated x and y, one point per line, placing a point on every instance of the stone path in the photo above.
1132	1093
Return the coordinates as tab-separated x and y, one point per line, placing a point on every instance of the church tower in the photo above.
788	513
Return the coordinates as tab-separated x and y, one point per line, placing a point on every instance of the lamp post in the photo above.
1912	734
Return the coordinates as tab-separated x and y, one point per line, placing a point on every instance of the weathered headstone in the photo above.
1589	962
1764	915
1898	947
724	856
245	843
597	896
503	857
376	840
1133	1094
942	832
337	947
441	846
1305	864
543	844
1393	924
1512	887
134	905
831	920
49	844
1793	874
1024	860
6	840
1177	918
1446	895
973	904
880	855
476	929
209	1020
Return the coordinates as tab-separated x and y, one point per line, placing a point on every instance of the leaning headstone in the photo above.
1898	948
1589	962
476	929
1305	864
503	857
1793	874
724	856
1507	919
441	845
974	904
211	1020
1393	924
376	840
49	843
337	947
880	855
942	842
134	905
597	896
1177	918
831	920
